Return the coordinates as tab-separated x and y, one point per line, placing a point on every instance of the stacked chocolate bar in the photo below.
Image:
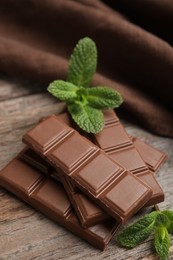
90	184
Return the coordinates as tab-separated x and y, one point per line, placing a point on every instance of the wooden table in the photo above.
26	233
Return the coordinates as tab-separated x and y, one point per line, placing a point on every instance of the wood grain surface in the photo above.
26	233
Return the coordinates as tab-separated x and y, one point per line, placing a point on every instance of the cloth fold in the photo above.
134	57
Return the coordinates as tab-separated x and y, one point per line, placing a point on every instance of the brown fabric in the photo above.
134	40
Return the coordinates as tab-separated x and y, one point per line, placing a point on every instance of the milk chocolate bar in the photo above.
49	197
117	191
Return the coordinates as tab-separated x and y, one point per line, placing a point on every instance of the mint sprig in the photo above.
85	104
135	233
157	222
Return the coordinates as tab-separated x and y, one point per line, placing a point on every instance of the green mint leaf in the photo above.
162	219
83	63
170	227
102	97
137	232
169	215
162	242
64	91
87	118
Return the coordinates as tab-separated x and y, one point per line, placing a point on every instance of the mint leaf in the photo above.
103	98
87	118
135	233
170	227
169	215
162	242
162	219
83	63
64	91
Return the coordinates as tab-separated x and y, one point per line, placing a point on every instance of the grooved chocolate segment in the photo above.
158	194
50	198
97	193
46	137
69	158
120	192
106	141
25	180
99	174
49	188
152	157
129	158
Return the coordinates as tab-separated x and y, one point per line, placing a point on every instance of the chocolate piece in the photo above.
152	156
117	191
49	197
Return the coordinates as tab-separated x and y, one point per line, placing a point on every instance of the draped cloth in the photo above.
134	41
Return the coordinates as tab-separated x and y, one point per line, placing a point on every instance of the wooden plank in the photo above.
11	88
20	104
